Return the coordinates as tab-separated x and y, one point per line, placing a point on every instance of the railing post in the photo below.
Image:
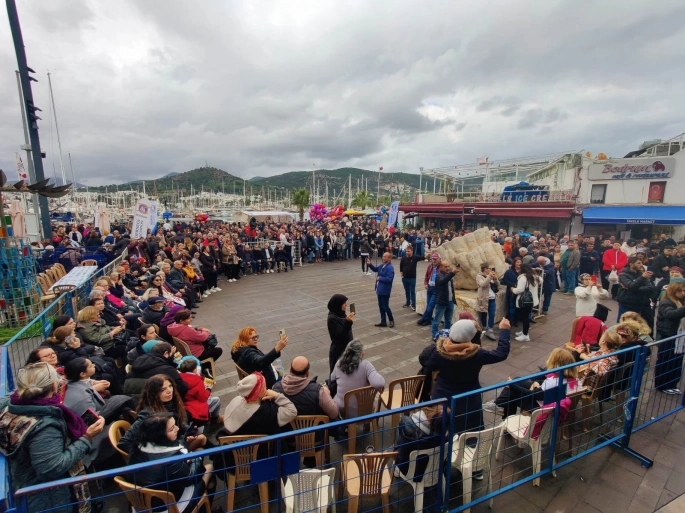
444	457
560	396
450	448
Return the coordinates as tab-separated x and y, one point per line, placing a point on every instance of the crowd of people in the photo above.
120	358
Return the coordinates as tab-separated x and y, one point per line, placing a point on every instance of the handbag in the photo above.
211	341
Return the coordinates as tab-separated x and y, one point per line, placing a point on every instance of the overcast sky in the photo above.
146	87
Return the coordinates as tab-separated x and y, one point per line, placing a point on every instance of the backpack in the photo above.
526	298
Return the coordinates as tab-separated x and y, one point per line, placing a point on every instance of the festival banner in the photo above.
394	208
141	220
153	217
21	171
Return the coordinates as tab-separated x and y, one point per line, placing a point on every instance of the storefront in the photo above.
641	221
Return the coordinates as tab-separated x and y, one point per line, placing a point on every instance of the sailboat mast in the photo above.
59	142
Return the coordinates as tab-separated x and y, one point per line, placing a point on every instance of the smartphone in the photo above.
281	334
593	278
352	310
492	269
90	417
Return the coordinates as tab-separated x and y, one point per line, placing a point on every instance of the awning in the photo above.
652	214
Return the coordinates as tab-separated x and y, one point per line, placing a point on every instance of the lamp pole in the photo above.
32	118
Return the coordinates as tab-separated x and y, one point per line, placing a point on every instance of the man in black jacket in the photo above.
589	258
445	299
267	257
160	360
155	310
663	262
635	290
280	256
408	274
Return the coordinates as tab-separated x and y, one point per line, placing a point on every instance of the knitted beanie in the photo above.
462	331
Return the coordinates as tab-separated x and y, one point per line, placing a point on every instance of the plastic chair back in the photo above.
410	389
370	467
116	432
306	443
309	490
481	453
242	456
365	398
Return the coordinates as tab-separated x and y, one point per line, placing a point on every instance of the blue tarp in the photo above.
649	214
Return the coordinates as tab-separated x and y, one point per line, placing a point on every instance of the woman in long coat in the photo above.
339	327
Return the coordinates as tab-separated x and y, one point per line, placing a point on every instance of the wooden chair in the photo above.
53	274
61	271
183	348
242	458
241	373
116	431
141	498
391	399
47	296
367	475
89	261
306	444
365	398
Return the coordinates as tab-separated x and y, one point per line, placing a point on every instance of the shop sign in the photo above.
542	197
632	169
639	221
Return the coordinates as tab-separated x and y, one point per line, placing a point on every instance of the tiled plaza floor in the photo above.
606	481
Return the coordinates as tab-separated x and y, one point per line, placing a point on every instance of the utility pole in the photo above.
32	118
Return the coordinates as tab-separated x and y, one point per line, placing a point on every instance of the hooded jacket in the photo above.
339	329
308	396
195	400
147	365
180	474
668	318
634	290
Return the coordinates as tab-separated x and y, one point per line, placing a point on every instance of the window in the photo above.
656	192
598	193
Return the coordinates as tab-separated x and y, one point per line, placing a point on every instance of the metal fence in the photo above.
472	454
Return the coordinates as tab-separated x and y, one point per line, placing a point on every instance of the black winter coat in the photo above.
668	318
340	331
147	365
251	359
634	290
443	284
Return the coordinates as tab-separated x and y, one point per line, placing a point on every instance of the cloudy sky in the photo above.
147	87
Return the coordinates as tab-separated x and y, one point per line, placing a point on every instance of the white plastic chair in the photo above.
473	459
521	427
309	490
430	475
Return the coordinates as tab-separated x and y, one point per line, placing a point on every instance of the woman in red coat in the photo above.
613	259
198	401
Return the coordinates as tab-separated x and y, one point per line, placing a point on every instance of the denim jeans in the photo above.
384	307
547	299
571	280
430	304
410	290
442	310
512	309
487	319
621	310
310	256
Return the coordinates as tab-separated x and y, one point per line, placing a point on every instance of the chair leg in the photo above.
385	499
491	503
418	497
230	496
467	484
353	504
499	443
535	448
395	422
376	435
264	496
351	438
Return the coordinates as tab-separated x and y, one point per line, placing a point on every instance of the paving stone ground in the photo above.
606	481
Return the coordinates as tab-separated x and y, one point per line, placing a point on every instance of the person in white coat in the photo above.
527	282
588	295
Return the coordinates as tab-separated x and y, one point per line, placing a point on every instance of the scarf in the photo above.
75	425
458	350
335	305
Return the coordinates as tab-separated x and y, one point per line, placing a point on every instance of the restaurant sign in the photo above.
632	169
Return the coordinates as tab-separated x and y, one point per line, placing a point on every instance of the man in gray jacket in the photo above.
572	266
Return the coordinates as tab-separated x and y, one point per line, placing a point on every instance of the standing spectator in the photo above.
613	259
510	279
669	361
526	291
635	290
339	327
629	247
589	259
663	262
365	250
353	371
408	274
570	263
209	269
588	295
548	282
384	278
445	298
429	284
486	302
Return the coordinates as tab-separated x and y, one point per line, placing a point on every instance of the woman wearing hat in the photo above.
459	362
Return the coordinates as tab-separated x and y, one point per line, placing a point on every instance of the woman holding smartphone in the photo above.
588	295
339	327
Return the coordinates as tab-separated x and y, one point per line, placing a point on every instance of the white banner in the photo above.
394	208
21	172
141	220
152	220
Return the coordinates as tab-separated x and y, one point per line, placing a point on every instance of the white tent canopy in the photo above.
274	216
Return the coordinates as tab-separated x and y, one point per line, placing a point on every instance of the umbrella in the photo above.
17	215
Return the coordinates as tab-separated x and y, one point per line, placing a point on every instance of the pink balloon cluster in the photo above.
317	212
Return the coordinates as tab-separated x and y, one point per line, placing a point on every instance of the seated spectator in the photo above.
588	295
353	371
645	329
168	319
146	333
418	431
202	344
198	401
160	360
81	392
157	288
529	395
94	330
55	444
309	397
194	278
250	358
257	410
155	311
590	329
159	395
159	438
459	362
593	371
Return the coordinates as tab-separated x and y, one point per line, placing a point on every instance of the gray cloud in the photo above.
263	87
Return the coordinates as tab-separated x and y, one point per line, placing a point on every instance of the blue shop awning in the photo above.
652	214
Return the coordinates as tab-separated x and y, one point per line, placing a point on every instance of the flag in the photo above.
380	169
482	160
21	172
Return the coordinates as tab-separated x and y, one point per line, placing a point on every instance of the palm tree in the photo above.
301	200
362	200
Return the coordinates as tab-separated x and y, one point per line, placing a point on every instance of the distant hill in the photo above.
395	183
255	178
210	178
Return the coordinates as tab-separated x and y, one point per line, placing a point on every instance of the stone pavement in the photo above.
605	481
